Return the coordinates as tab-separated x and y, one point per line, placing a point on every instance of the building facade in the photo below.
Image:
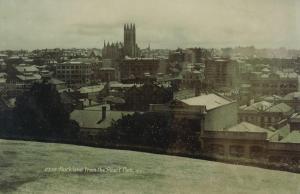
221	73
205	112
113	51
75	72
273	83
265	114
131	68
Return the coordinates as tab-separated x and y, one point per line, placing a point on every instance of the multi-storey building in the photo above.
75	71
273	83
265	114
204	112
221	73
131	68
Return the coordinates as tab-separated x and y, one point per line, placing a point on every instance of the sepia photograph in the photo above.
154	97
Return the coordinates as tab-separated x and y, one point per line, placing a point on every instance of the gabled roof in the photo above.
95	52
280	133
292	96
271	98
293	137
258	106
281	107
248	127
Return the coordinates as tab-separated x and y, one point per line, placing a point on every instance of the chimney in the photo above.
103	113
197	91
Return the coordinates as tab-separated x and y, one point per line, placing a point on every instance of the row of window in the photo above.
235	150
291	85
73	71
73	67
260	119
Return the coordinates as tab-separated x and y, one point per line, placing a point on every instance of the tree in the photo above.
157	130
39	112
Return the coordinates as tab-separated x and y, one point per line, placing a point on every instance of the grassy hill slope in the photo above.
25	166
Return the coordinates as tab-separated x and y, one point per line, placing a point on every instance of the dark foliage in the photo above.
154	130
139	98
40	113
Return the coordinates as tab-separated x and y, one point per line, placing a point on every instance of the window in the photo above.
216	149
256	151
275	159
236	150
269	119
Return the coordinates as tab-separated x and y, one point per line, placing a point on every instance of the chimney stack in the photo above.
103	112
197	91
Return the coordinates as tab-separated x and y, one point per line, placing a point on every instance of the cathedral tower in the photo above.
130	47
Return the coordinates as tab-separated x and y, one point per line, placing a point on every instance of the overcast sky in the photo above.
30	24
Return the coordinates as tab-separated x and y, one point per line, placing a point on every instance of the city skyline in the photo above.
162	24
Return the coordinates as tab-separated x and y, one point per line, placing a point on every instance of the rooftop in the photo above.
90	89
287	74
293	137
271	98
139	58
211	101
281	107
258	106
248	127
26	68
29	77
2	80
292	96
280	133
295	118
91	119
83	60
98	107
56	81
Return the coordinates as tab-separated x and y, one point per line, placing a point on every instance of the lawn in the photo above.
32	167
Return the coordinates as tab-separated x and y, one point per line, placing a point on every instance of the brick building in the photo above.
221	73
273	83
77	71
138	67
265	114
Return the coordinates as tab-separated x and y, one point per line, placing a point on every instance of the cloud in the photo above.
163	23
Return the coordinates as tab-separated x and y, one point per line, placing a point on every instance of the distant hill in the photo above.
27	167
